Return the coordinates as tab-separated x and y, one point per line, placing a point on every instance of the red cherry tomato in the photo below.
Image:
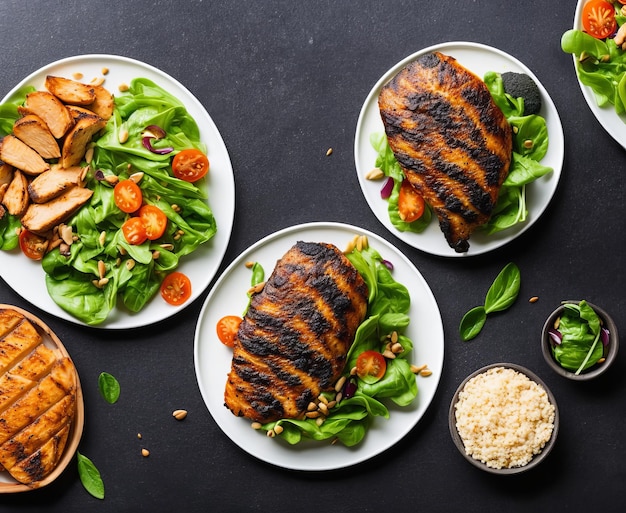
127	196
190	165
154	221
227	328
32	245
176	288
410	203
598	18
371	366
134	231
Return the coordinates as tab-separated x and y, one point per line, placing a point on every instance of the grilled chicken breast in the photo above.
37	400
41	217
451	140
294	338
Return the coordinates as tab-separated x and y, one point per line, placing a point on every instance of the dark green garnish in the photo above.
109	387
90	476
500	296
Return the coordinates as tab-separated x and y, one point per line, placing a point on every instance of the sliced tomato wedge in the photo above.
134	231
227	328
190	165
598	18
127	196
154	221
371	366
176	288
410	203
32	245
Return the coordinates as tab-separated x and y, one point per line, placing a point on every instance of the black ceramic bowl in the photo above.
537	458
592	372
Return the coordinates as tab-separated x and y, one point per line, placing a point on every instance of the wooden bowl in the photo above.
7	483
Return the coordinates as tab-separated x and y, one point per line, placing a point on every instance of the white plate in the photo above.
213	359
479	59
613	123
27	277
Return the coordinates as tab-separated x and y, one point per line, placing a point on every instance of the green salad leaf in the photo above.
134	275
600	65
90	476
501	295
530	145
109	387
388	308
580	347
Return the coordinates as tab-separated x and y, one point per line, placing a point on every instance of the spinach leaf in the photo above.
504	290
472	323
90	476
109	387
580	346
501	295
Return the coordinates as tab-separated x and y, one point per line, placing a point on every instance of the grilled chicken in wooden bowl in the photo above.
41	403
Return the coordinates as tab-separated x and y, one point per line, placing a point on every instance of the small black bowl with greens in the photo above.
579	340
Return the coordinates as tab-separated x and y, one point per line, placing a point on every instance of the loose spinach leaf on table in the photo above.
501	295
109	387
90	476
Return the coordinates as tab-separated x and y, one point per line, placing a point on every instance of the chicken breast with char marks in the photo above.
294	339
451	140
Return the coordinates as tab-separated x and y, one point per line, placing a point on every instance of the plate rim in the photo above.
436	367
502	238
215	248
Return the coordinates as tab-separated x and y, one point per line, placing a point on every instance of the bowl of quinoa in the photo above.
504	419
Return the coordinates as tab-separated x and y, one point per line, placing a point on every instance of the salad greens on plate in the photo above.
530	145
133	273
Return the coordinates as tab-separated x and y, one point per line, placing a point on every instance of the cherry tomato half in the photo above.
410	203
598	18
154	221
134	231
370	366
127	196
176	288
227	328
32	245
190	165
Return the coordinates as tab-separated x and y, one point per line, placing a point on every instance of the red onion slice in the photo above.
387	264
604	336
148	146
154	132
555	336
385	192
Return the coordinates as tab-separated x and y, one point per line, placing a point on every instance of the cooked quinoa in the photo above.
504	418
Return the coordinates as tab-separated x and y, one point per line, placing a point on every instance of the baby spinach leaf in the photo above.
109	387
504	290
472	323
90	476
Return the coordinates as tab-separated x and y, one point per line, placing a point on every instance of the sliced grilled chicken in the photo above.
15	197
53	183
451	140
103	104
20	155
6	173
33	131
294	338
49	108
87	124
38	388
70	91
40	218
